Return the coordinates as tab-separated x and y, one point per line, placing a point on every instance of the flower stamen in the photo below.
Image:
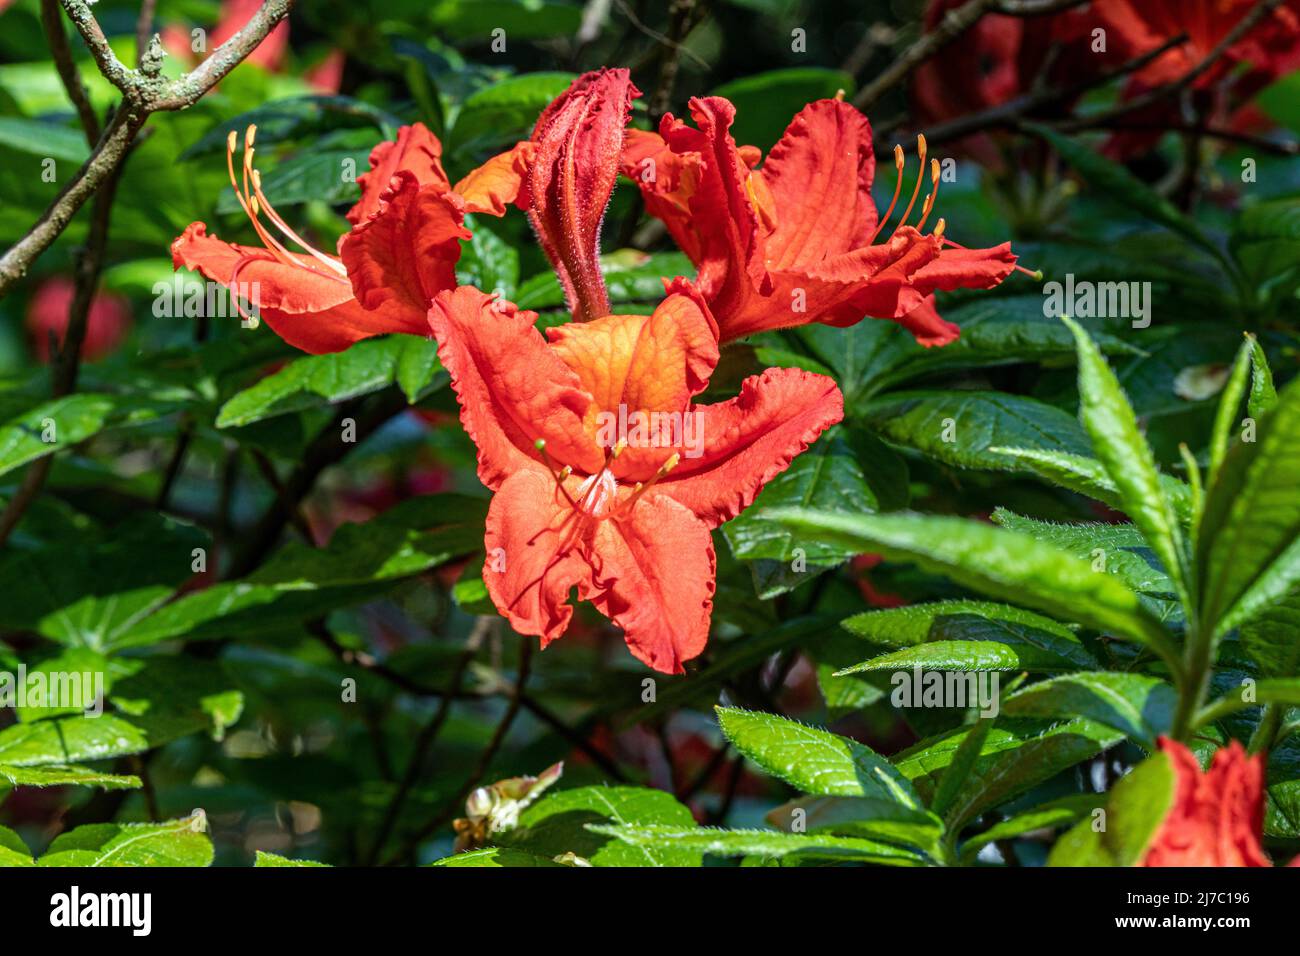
560	475
916	190
253	201
928	206
641	489
899	162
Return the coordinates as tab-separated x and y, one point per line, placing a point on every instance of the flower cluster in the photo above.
625	522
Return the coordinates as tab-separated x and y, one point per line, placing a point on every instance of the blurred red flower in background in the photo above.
107	324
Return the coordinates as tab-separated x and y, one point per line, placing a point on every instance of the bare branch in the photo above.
1010	112
954	24
144	92
59	49
114	70
143	29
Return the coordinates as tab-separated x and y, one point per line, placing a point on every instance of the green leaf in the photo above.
1136	808
36	138
1113	181
67	421
960	428
815	761
1263	396
311	175
1284	691
764	843
13	851
1249	546
1229	403
559	824
1269	637
299	580
765	102
1265	241
994	331
316	380
265	859
496	856
89	591
174	843
1121	547
296	117
1001	564
1141	707
964	656
991	632
864	817
489	262
504	113
956	776
1017	754
1051	815
1088	477
857	357
826	476
55	776
1120	447
637	278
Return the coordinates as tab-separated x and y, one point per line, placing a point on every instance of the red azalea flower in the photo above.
623	517
626	524
234	14
1271	46
401	251
799	240
107	323
1220	95
1217	816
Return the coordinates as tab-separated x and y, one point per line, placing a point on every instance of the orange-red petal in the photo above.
307	307
640	364
416	150
536	554
654	578
751	439
819	175
498	183
512	388
406	252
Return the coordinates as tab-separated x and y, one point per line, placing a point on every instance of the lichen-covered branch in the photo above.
144	92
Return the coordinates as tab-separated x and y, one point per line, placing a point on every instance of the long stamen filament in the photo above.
257	199
560	475
928	206
641	489
899	162
916	190
281	254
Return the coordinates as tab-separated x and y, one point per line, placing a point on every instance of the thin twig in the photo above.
954	23
57	38
143	30
682	17
327	448
67	360
428	734
485	758
1010	112
144	92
